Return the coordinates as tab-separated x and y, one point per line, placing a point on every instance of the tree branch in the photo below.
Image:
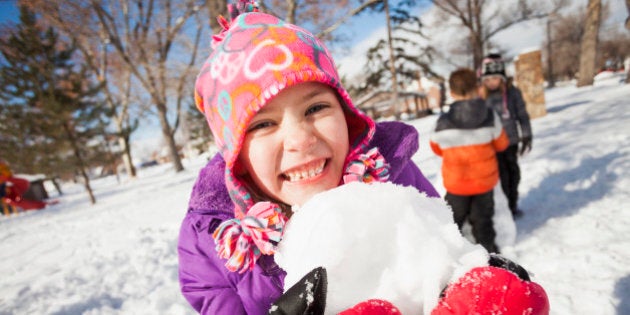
342	20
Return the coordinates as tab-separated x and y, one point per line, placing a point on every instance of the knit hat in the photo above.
491	65
254	58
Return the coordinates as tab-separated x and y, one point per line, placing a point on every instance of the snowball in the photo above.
377	240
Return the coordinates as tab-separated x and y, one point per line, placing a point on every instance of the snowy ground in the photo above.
119	256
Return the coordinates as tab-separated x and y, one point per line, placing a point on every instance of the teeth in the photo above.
307	172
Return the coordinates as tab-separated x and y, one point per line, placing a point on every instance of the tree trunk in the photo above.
86	184
57	186
477	50
126	156
477	32
291	11
167	132
216	8
588	51
81	163
627	65
551	81
392	65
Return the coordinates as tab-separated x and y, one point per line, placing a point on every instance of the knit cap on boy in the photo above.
254	58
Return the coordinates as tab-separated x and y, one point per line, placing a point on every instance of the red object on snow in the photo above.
492	290
372	307
15	191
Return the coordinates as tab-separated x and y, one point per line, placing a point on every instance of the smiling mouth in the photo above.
307	171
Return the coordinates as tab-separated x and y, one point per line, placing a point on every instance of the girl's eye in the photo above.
259	125
315	108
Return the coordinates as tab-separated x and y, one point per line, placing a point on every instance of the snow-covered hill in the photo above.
119	256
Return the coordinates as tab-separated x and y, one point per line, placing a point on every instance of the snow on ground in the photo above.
575	186
119	256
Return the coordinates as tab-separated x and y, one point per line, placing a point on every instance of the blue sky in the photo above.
363	31
8	11
356	29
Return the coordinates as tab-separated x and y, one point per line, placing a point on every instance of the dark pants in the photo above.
510	175
478	209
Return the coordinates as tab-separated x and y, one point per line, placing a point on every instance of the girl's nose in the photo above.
299	137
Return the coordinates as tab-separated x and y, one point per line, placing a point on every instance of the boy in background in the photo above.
468	137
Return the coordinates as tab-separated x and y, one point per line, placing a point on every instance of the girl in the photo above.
507	101
286	130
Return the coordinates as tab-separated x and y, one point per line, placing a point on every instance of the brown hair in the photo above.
463	81
483	90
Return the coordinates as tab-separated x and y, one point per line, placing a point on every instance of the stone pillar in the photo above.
529	79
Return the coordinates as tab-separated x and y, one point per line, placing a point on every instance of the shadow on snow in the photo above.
560	108
622	287
552	198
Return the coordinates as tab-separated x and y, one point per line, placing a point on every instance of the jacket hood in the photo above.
468	114
209	194
397	142
254	58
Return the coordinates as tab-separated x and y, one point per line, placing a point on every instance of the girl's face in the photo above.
297	144
492	82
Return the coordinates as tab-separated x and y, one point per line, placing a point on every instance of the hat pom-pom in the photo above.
242	241
240	7
234	9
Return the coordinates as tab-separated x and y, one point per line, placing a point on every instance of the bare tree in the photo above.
551	79
214	9
588	50
484	19
158	42
567	31
322	17
61	98
628	28
392	65
144	37
74	21
120	102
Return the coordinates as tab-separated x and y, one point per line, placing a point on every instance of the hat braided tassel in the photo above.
367	167
242	241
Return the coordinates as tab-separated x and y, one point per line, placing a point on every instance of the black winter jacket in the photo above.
516	116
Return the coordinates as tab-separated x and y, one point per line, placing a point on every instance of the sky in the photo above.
366	29
8	11
119	256
522	37
363	32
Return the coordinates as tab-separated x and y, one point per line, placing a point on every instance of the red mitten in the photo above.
492	290
372	307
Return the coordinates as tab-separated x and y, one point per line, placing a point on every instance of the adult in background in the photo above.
507	101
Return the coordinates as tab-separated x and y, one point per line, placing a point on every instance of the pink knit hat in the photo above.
253	59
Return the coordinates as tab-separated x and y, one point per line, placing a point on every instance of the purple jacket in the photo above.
205	282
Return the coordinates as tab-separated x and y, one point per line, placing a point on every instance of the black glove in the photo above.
502	262
306	297
526	145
